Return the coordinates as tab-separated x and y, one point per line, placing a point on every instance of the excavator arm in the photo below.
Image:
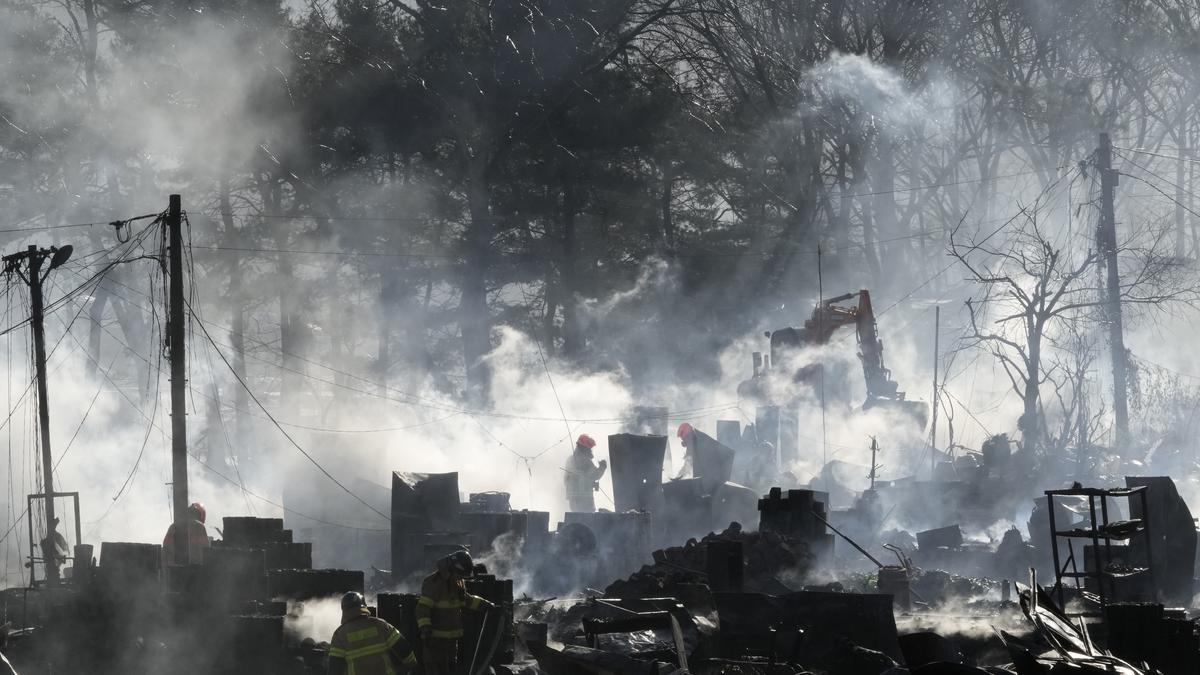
870	349
831	315
827	318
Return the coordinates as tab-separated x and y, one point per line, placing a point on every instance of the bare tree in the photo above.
1036	290
1029	285
1077	414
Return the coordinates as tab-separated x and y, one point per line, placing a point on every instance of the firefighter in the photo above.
582	475
54	547
197	537
366	645
439	612
689	452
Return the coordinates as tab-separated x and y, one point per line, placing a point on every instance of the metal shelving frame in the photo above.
1102	531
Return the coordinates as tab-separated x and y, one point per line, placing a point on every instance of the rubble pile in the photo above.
937	587
766	557
739	600
566	623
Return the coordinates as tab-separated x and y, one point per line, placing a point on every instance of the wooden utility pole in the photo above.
874	454
36	319
12	263
1107	239
175	344
937	334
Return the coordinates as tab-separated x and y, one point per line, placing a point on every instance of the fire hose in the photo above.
478	667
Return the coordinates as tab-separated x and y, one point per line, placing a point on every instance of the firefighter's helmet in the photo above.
353	600
196	511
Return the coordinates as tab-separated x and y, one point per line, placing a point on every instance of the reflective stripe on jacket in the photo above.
367	645
441	604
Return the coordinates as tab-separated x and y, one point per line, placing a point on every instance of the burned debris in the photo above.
731	564
609	592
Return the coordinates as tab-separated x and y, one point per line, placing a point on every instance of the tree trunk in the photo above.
388	295
474	320
96	316
550	291
289	320
573	339
237	318
1180	217
666	197
1031	427
841	224
883	184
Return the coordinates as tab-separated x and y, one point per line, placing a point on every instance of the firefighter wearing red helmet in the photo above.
582	475
197	537
689	453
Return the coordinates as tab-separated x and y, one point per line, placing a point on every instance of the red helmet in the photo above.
685	430
196	510
586	441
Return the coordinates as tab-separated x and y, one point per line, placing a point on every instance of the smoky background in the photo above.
430	239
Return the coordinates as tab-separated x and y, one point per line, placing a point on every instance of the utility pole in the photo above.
34	278
37	323
874	453
1107	239
937	334
175	344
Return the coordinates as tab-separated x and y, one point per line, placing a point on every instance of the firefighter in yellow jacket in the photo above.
365	645
439	612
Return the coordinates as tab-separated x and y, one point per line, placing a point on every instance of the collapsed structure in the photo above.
781	586
730	566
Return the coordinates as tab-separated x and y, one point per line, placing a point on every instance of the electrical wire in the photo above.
432	403
157	370
89	283
1159	190
286	435
549	378
136	408
1155	154
43	228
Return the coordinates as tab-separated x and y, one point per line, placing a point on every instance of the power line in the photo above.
1159	190
94	279
157	369
430	403
286	508
542	356
471	414
252	493
43	228
1155	154
254	397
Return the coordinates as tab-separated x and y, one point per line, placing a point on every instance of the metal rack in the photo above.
40	559
1102	532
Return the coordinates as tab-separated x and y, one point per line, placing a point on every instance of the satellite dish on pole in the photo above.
61	255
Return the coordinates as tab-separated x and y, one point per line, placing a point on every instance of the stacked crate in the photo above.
799	515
